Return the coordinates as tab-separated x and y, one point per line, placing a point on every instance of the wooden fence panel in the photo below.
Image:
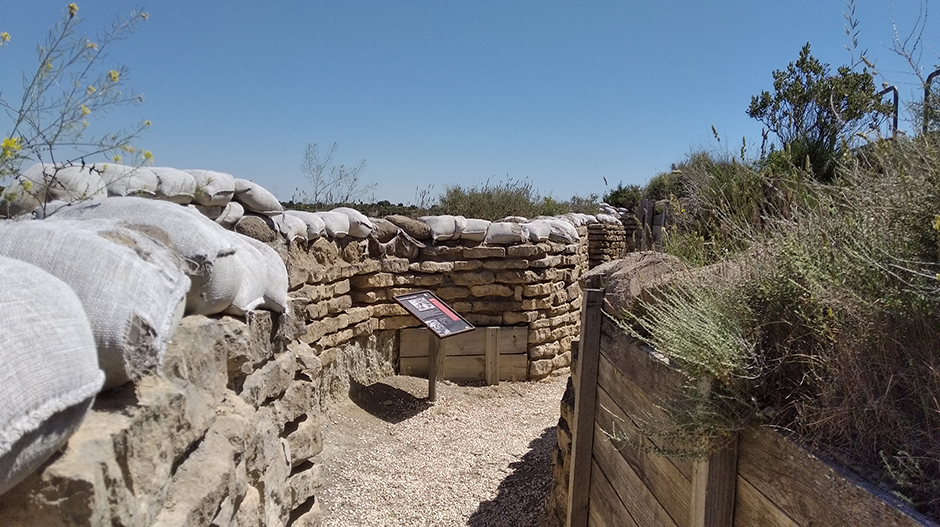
606	509
512	340
468	368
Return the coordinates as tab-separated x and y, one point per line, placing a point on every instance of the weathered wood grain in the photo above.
512	340
606	509
753	509
468	368
491	367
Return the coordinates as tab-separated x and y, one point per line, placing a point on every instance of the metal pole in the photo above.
927	98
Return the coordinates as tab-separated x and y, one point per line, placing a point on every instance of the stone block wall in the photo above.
230	434
606	242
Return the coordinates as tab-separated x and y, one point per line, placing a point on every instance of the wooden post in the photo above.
714	482
491	364
582	442
436	353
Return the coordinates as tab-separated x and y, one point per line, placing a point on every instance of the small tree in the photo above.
331	184
627	197
50	122
814	113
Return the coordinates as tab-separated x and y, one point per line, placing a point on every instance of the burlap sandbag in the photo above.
123	180
49	374
359	225
506	233
174	185
131	286
256	198
315	224
42	183
212	188
443	227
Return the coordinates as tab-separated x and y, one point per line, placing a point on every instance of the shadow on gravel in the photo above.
521	497
388	403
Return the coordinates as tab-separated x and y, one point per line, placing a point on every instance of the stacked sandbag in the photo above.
49	375
506	233
563	231
410	226
539	230
130	285
316	227
290	226
359	225
230	214
42	183
256	198
123	180
474	230
273	273
215	273
336	224
174	185
213	189
384	230
443	227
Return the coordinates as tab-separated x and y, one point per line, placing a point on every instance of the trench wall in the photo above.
230	434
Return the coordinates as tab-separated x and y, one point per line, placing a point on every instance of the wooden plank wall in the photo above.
764	479
466	353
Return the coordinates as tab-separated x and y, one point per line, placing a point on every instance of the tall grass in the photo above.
832	328
495	200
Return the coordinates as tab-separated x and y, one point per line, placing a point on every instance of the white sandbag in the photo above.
506	233
49	375
215	276
275	274
336	223
290	226
563	231
212	188
174	185
254	278
130	286
359	224
607	218
123	180
316	227
474	230
589	219
443	227
460	223
539	230
47	183
212	212
512	219
230	215
256	198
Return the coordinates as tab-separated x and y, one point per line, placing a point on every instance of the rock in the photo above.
624	279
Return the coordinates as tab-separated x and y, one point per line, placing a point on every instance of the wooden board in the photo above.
634	403
753	509
512	340
642	504
807	490
663	480
606	509
468	367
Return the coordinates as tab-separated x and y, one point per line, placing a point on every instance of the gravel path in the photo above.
481	456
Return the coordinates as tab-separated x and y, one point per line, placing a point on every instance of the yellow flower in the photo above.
148	157
128	149
73	10
145	15
85	110
10	146
936	222
27	185
91	90
146	123
116	158
4	37
91	45
113	75
49	66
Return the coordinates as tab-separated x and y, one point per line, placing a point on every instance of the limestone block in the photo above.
407	321
497	306
560	297
462	307
317	311
467	265
539	336
520	317
432	267
544	351
335	339
339	272
517	293
249	512
271	380
394	265
310	514
474	278
564	331
537	290
537	303
358	314
472	253
396	291
429	280
366	327
308	363
300	398
305	440
439	252
541	323
388	310
369	297
571	248
561	360
268	467
525	251
539	369
198	354
548	261
313	292
479	291
297	276
452	293
325	251
372	281
506	264
516	277
304	480
403	279
341	288
367	267
316	330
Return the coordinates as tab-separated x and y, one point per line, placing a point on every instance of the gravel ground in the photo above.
481	456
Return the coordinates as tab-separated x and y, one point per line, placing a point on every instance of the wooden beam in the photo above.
492	356
582	443
436	356
512	340
468	368
714	482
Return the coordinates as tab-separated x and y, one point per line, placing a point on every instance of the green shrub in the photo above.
492	201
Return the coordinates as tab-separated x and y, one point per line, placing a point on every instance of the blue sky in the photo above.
439	92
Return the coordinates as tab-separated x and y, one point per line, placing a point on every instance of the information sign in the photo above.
433	313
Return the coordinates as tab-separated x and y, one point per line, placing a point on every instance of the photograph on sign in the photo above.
433	313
